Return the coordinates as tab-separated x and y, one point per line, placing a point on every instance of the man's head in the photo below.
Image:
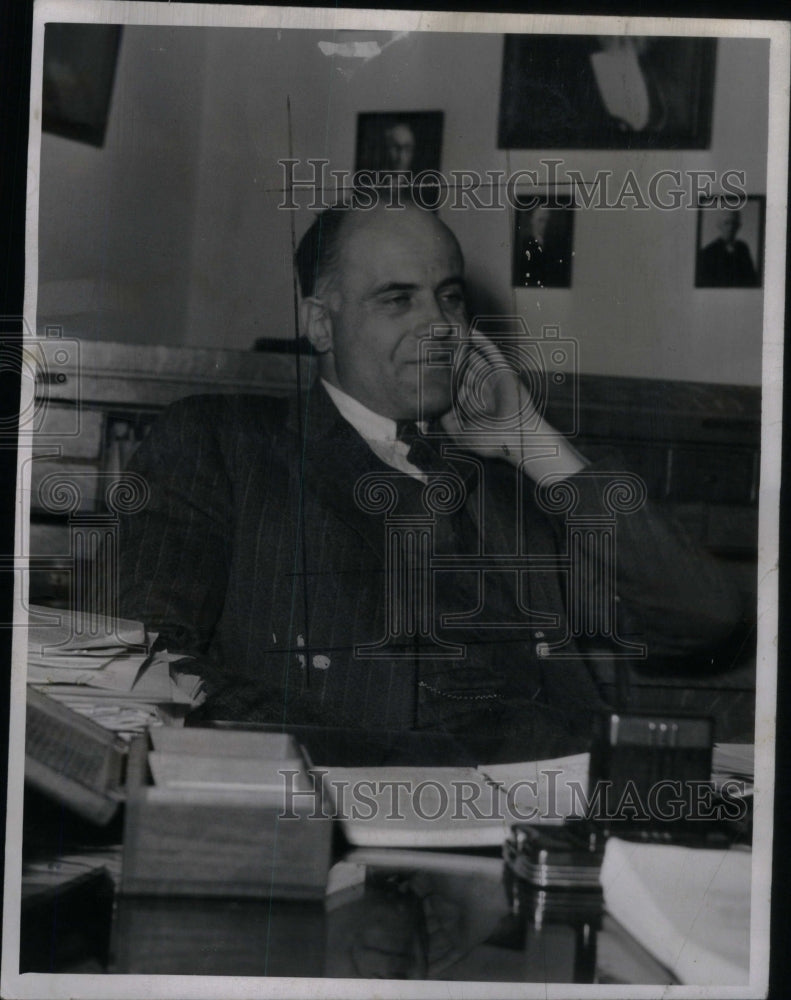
399	147
539	220
374	282
728	224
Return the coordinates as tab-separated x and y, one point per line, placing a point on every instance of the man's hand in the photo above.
492	388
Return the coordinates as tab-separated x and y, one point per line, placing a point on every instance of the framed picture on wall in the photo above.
730	244
543	243
77	83
606	92
399	143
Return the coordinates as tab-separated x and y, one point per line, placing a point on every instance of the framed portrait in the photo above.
606	92
543	243
79	69
730	244
406	142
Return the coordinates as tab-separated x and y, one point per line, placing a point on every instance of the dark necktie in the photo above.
472	695
423	454
449	692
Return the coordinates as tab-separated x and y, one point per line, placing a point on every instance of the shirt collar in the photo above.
372	426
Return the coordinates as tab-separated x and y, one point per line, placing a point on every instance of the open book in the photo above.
456	807
447	807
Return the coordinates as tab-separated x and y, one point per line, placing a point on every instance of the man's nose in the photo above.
441	329
434	322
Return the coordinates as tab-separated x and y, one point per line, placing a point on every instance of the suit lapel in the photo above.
331	457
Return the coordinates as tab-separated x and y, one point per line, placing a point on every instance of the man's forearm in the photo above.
672	595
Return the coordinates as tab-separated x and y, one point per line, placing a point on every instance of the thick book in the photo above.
73	759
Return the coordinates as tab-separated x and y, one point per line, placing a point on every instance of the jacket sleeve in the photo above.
670	594
174	553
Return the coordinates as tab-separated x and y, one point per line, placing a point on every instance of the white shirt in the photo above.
378	432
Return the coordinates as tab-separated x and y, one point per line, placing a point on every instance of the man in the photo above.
261	553
726	261
399	144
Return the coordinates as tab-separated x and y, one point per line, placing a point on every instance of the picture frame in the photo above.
79	70
729	248
606	92
543	246
391	143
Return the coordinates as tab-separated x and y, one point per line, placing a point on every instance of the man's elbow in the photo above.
705	623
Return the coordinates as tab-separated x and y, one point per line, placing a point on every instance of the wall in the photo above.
190	233
115	224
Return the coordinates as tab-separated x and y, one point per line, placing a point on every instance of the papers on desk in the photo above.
690	907
733	761
456	807
57	631
104	669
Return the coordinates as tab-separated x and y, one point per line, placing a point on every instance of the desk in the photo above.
443	920
420	914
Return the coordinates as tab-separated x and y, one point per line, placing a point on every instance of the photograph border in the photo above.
773	285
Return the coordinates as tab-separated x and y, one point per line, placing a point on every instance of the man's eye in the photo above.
453	299
401	299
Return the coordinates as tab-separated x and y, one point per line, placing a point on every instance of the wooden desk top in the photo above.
443	918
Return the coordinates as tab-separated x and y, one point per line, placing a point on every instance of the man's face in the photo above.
539	219
399	272
400	147
728	225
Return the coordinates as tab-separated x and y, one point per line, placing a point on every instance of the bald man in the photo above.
259	555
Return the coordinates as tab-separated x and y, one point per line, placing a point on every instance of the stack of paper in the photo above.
104	669
733	761
690	907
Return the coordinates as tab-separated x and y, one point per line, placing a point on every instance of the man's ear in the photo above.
316	323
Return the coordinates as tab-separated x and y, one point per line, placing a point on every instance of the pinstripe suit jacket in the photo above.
253	555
